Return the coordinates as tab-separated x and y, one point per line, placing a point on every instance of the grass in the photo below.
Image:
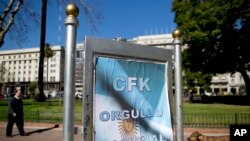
56	105
51	105
52	111
194	108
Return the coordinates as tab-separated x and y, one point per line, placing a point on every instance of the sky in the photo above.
121	18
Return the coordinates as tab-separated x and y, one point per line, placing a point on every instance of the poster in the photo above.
131	101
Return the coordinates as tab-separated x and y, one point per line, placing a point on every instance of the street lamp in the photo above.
71	24
178	83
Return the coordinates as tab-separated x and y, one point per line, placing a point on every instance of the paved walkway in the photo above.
53	132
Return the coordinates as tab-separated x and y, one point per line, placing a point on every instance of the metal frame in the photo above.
95	47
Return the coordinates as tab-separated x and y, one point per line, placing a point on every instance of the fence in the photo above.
37	116
189	120
215	120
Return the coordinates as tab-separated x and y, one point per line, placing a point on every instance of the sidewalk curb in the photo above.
185	130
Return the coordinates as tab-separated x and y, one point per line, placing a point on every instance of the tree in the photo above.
91	17
33	90
48	53
217	33
194	79
13	15
2	73
13	10
41	96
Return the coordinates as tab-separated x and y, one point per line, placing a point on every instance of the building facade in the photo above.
79	68
21	68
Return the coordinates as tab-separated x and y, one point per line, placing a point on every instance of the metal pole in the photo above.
178	83
71	23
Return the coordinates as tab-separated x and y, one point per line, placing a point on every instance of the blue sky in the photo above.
121	18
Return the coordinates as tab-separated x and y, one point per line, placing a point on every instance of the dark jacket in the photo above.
15	106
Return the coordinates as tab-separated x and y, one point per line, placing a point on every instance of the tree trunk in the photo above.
41	96
47	86
247	81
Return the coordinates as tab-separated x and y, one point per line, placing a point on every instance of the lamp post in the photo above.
178	83
71	23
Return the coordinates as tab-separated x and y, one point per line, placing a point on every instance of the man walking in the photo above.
15	114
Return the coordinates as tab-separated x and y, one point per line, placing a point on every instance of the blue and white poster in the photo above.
131	101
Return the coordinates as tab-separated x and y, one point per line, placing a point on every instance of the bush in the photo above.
33	90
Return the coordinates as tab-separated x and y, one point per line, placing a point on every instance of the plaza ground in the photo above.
54	132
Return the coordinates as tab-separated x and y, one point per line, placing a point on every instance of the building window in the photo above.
53	78
232	80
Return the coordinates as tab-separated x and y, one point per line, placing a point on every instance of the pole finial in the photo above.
72	10
177	33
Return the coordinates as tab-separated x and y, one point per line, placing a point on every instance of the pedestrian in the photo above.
15	114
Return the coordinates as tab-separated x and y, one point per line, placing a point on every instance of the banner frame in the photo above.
95	47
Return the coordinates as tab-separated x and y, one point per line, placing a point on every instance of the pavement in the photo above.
54	132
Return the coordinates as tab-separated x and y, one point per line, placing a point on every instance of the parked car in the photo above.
78	94
2	97
47	93
58	94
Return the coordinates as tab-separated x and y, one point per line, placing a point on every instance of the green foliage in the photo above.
217	33
193	79
48	52
33	89
2	72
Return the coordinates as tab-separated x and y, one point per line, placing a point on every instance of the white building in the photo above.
160	40
227	84
22	66
79	67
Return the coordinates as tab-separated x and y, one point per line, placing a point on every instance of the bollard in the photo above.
178	83
71	24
